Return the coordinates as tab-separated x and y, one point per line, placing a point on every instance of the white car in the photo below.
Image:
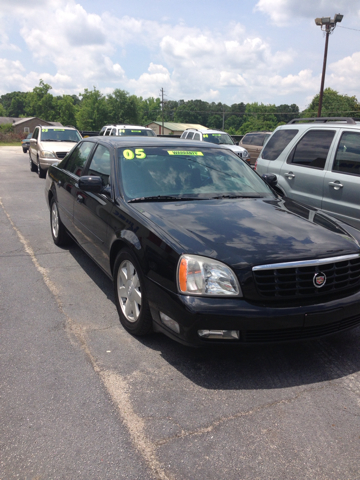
126	130
49	145
218	137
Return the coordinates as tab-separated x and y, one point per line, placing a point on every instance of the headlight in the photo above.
46	154
245	154
204	276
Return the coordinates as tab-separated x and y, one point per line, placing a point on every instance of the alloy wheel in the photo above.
129	291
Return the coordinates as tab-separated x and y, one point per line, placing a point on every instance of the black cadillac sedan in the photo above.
201	248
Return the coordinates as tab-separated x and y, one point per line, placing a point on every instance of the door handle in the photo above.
336	185
80	199
289	175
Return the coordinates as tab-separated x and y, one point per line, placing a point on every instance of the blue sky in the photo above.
268	51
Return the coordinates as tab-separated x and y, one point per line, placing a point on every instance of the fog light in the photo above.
220	334
170	323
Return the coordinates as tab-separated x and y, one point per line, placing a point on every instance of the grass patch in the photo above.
10	144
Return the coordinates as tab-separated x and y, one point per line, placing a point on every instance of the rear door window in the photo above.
189	135
347	159
258	140
312	149
277	143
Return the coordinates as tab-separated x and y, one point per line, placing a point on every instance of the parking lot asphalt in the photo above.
81	398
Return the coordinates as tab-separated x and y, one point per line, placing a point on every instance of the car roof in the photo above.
57	127
120	142
123	125
318	125
205	130
258	132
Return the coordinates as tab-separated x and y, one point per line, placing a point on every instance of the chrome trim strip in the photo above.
306	263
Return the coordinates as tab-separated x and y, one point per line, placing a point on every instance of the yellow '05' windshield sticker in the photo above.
185	152
138	153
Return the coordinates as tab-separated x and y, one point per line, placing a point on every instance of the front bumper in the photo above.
45	163
255	323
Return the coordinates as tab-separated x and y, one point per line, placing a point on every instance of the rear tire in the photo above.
58	230
130	295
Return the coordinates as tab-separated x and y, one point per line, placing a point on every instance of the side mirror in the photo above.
270	179
90	183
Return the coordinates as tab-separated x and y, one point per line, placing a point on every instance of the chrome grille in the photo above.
61	154
296	279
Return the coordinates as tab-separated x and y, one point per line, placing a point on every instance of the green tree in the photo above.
333	105
92	113
150	110
258	117
67	110
116	104
285	113
193	111
40	103
215	121
2	111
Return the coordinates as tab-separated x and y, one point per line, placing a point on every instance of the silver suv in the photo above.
218	137
126	130
317	162
49	145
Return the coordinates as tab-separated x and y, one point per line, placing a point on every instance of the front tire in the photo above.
33	167
58	230
41	171
130	295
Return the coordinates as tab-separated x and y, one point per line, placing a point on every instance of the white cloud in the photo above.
345	74
282	12
72	49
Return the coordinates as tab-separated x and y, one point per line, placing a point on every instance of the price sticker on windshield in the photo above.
138	153
185	152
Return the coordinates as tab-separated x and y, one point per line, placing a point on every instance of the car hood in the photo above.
251	231
57	146
234	148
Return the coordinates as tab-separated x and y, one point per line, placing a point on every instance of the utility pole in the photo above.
162	109
327	25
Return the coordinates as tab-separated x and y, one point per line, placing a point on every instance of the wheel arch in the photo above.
116	247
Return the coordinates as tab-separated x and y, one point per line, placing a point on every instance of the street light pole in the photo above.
327	25
323	72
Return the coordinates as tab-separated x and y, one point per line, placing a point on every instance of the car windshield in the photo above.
136	132
219	138
59	135
168	173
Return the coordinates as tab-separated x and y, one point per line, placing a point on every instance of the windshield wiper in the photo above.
236	196
163	198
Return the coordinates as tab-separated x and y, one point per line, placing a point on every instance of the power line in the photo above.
347	28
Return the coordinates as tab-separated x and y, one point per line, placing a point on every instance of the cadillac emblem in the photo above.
319	279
